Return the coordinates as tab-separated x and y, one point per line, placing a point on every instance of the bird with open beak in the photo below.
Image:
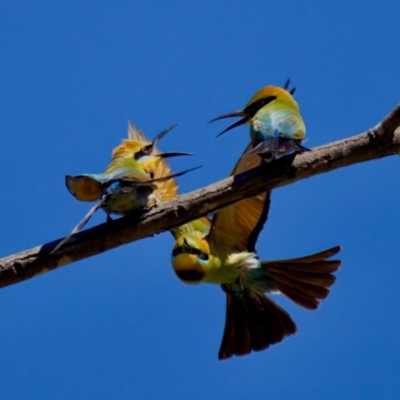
276	125
129	183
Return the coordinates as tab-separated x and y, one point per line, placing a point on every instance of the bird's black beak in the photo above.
238	113
149	148
162	134
247	113
173	154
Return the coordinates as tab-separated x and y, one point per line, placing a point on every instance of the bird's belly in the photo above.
223	274
127	200
283	123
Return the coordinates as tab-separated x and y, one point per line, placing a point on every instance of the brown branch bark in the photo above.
381	141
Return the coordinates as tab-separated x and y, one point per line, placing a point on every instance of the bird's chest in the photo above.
126	199
225	269
273	123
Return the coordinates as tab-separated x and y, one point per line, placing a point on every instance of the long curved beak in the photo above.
238	113
162	134
166	178
150	147
173	154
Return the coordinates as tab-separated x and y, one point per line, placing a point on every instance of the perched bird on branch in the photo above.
276	125
224	253
129	183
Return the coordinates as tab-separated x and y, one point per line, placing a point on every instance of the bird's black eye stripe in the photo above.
144	151
138	154
196	252
200	254
178	250
254	107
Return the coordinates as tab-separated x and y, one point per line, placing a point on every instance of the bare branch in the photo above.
381	141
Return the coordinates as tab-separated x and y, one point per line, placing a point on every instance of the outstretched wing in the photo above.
237	227
87	187
84	187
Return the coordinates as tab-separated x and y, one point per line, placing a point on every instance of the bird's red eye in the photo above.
144	151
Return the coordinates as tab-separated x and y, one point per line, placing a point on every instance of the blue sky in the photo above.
121	325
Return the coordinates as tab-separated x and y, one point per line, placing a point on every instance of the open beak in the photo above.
162	134
149	148
173	154
238	113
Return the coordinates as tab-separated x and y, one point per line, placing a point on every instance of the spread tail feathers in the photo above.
304	280
253	322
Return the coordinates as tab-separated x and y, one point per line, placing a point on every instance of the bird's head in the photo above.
191	258
266	96
129	148
144	153
139	148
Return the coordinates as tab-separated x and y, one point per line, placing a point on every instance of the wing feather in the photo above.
237	227
169	190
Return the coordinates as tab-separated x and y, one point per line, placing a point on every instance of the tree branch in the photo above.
381	141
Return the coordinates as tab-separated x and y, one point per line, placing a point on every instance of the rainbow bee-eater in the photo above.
129	183
168	189
224	253
276	125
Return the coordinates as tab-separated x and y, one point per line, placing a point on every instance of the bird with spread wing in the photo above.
136	179
224	253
